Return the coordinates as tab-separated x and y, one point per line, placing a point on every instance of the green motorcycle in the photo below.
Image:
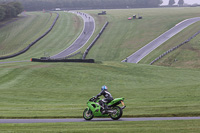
95	109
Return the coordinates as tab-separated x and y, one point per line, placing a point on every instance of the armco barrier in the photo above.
174	48
32	43
94	41
69	56
64	60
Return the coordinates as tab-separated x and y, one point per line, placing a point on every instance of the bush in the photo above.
2	13
34	5
10	10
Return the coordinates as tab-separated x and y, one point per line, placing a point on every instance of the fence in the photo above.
174	48
64	60
32	43
94	41
67	57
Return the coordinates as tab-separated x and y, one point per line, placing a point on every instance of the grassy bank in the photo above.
36	90
185	57
188	55
19	34
66	30
123	37
190	126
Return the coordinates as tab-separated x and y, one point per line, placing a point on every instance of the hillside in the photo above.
36	90
123	37
18	35
120	39
187	56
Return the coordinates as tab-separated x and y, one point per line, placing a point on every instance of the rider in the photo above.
108	97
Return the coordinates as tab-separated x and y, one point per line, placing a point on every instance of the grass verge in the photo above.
37	90
190	126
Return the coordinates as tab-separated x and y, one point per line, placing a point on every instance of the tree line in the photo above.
172	2
33	5
10	10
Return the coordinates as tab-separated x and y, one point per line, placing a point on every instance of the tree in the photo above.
180	2
10	11
18	7
2	13
147	3
171	2
161	1
141	3
154	3
35	5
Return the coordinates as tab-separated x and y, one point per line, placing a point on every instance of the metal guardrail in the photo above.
94	41
67	57
174	48
63	60
32	43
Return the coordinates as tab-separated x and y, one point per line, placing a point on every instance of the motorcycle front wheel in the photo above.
117	113
87	114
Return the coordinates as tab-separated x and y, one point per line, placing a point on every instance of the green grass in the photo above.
189	60
190	126
123	37
99	23
61	90
18	35
66	30
187	56
36	90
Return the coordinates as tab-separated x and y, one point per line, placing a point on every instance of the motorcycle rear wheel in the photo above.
118	113
87	114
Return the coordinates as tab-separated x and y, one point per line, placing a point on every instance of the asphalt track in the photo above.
89	26
144	51
88	30
14	61
94	120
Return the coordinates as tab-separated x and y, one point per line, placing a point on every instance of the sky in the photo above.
165	2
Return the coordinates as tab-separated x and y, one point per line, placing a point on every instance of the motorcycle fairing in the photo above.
96	108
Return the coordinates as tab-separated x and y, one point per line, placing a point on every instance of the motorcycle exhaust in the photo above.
124	106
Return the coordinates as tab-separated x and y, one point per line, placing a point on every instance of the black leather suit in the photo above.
108	98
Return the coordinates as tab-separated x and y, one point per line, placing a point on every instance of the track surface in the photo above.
144	51
94	120
14	61
89	27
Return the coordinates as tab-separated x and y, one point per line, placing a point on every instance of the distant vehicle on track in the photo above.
102	13
129	18
57	9
135	17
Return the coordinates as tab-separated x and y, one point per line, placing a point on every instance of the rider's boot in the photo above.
105	109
